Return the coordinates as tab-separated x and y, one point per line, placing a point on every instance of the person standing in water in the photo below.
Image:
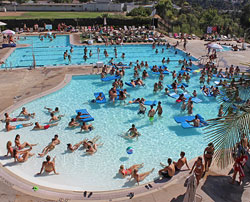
159	109
151	113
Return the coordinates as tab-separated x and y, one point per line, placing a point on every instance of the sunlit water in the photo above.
159	141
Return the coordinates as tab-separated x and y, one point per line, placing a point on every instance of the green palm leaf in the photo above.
225	132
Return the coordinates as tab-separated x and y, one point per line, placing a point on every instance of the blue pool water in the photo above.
159	141
51	53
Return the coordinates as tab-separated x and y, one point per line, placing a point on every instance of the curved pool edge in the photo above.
25	186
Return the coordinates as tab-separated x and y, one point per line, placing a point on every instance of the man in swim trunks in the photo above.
40	127
51	110
86	127
56	140
168	171
48	166
181	161
55	118
151	113
142	108
24	112
9	127
159	109
73	123
132	130
196	121
9	119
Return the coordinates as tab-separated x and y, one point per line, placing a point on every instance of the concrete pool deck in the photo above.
20	84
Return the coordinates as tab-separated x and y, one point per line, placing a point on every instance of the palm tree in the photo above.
226	131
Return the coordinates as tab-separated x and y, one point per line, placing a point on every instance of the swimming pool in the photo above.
159	141
50	53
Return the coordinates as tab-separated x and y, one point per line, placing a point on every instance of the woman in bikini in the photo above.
129	171
208	155
140	177
9	149
22	156
198	168
75	147
22	146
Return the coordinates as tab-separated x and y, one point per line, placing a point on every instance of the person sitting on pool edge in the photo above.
51	110
168	171
129	171
73	123
48	166
25	113
40	127
9	119
86	127
181	161
9	127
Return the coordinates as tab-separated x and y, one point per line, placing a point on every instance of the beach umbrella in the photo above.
2	24
191	189
9	32
214	46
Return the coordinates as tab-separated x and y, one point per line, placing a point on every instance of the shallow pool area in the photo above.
160	140
50	53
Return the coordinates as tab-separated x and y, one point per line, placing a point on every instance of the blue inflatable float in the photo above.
109	78
86	114
100	101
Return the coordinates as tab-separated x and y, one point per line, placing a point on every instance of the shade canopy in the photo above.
9	32
214	46
2	24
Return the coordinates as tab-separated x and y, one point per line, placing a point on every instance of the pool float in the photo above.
147	102
183	71
84	111
178	86
100	101
183	120
109	78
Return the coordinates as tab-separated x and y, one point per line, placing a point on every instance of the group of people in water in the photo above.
21	152
173	167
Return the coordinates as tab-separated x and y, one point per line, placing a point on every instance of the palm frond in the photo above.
225	132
